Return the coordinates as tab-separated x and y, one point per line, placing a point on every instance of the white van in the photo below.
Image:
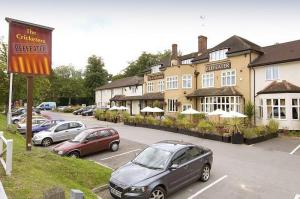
47	106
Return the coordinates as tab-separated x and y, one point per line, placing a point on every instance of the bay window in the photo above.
226	103
276	108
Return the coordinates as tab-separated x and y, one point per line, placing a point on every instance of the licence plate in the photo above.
115	192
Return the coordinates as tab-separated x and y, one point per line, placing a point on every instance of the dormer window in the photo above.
218	55
155	69
186	61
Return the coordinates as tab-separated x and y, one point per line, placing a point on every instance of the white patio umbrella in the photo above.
157	110
190	112
147	109
233	114
114	108
217	112
122	108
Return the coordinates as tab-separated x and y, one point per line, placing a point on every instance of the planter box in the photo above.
260	138
226	139
237	138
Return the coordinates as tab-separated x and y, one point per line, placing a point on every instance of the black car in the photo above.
88	112
79	111
161	169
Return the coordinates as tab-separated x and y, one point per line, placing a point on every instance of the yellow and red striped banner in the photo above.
30	48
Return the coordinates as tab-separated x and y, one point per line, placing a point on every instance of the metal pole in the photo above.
29	112
10	99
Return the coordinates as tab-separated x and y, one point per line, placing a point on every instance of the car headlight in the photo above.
137	189
36	137
60	152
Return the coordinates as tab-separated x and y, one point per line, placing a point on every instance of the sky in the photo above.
119	31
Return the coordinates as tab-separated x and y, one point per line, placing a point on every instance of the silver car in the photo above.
35	122
60	132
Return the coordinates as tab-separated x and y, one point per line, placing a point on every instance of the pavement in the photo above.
261	171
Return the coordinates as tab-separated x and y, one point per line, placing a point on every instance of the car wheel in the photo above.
205	174
114	147
74	154
47	142
158	193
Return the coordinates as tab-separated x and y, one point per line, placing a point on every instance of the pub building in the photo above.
224	74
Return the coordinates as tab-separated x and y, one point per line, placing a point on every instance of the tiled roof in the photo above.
146	96
280	87
128	81
278	53
223	91
234	44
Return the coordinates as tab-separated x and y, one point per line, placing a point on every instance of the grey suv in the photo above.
160	170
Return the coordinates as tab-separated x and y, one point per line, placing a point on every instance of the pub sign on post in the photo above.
30	48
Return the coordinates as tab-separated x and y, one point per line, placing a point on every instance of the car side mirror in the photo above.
174	167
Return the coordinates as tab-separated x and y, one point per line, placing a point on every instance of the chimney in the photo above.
202	44
174	51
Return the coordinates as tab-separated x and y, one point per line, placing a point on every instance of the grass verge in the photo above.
39	170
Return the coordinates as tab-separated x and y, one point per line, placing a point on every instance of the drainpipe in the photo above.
196	73
254	104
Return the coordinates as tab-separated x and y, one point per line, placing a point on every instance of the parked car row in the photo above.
86	111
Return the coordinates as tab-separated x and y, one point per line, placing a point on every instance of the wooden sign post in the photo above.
29	53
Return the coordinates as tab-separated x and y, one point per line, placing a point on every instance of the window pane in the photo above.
269	112
295	113
282	102
294	102
276	112
275	102
268	101
282	113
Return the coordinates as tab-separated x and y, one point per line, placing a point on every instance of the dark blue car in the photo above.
44	126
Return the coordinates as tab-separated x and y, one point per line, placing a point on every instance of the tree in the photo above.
4	80
249	111
66	81
139	66
95	75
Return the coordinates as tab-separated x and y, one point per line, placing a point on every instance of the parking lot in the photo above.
264	170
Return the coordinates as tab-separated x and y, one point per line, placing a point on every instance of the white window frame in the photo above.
206	76
279	106
218	55
150	87
225	76
271	70
186	106
161	85
185	79
186	61
172	82
155	69
172	105
297	106
226	103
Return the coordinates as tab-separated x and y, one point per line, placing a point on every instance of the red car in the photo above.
90	141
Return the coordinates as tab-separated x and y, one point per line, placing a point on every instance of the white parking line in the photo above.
207	187
295	150
120	154
102	165
297	196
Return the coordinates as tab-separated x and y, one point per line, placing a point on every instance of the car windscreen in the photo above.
81	136
153	158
